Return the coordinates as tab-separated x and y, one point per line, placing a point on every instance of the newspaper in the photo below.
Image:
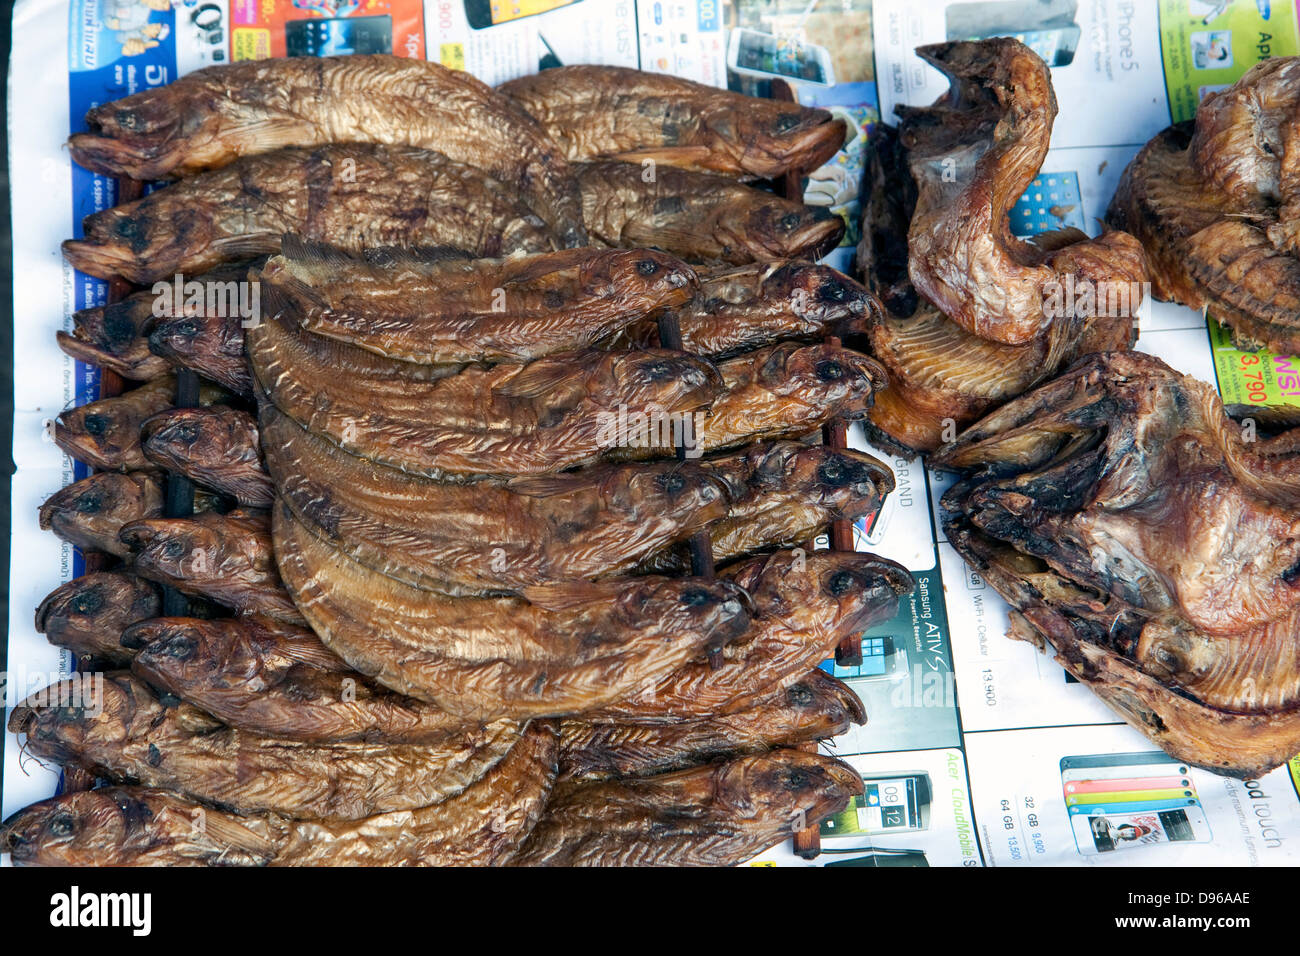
979	750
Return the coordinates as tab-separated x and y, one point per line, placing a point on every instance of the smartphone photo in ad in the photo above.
338	36
1107	833
895	804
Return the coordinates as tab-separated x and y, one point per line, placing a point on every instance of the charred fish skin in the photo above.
717	815
89	513
551	414
618	113
561	650
814	708
700	217
217	447
788	390
409	306
783	494
805	603
488	537
128	735
225	557
352	195
87	615
211	117
106	434
278	681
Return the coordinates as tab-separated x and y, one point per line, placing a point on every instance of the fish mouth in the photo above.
845	777
818	238
22	718
12	838
819	143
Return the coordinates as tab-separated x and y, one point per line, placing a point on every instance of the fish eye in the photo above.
95	424
90	503
831	472
786	122
181	648
696	597
88	602
125	119
173	549
659	370
647	267
671	484
69	714
841	582
830	370
187	328
188	433
799	695
795	780
834	292
62	824
790	220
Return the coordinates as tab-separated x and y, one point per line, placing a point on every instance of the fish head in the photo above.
1173	653
80	713
184	652
94	432
195	334
181	435
785	783
816	291
646	274
642	379
117	327
177	548
849	482
95	507
778	228
712	611
826	375
87	604
774	136
672	490
147	133
864	589
824	704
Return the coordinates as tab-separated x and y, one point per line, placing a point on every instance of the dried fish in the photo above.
106	434
618	113
89	512
700	217
87	615
214	116
407	306
351	195
560	650
550	414
224	557
217	447
716	815
486	537
813	708
127	735
805	603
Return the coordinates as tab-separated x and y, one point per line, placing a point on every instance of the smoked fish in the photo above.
217	447
90	512
87	615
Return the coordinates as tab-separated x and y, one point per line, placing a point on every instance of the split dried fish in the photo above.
618	113
814	708
488	537
87	615
281	681
127	735
548	415
805	604
214	116
700	217
217	447
89	513
405	305
351	195
559	650
717	815
224	557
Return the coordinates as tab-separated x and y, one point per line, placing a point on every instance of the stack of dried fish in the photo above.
973	315
1214	202
1153	544
439	557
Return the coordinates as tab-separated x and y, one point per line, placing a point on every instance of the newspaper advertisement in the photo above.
979	750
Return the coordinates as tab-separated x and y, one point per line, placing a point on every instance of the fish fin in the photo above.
313	654
543	486
689	157
565	595
389	256
246	246
225	830
543	377
294	248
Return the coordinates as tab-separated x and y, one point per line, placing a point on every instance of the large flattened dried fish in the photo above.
972	154
813	708
805	604
351	195
551	414
212	117
488	537
90	512
217	447
619	113
87	615
716	815
277	680
747	307
224	557
1134	529
408	306
700	217
127	735
561	650
1215	203
783	494
141	826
